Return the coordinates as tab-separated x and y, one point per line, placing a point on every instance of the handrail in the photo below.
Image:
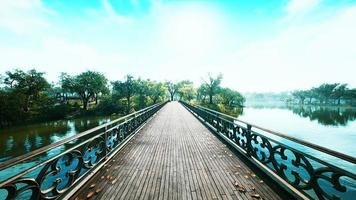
303	174
73	165
337	154
41	150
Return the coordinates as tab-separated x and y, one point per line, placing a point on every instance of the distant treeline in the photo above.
325	94
27	96
335	94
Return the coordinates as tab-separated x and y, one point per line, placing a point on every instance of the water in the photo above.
330	127
16	141
334	128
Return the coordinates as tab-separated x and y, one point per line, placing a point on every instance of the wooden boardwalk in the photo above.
176	157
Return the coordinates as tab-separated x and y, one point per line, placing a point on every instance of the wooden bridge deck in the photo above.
176	157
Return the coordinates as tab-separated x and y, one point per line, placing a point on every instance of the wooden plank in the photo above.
176	157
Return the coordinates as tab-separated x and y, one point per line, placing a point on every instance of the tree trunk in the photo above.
96	99
27	104
128	105
210	99
85	104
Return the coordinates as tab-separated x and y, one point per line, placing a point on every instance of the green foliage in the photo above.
11	108
156	91
30	84
87	85
210	94
172	89
211	86
26	96
125	89
186	90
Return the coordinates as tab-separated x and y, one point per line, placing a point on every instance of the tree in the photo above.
340	92
172	89
300	95
87	85
99	86
142	87
157	90
67	84
125	89
325	91
231	98
186	90
212	86
30	84
202	94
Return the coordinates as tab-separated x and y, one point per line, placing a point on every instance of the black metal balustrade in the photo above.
303	174
61	175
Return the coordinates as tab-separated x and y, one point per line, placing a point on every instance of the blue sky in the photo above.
258	45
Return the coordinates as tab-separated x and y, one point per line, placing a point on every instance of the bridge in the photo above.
179	151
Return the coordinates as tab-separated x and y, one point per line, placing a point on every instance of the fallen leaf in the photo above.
98	190
246	176
92	185
102	177
108	177
261	181
253	175
90	195
241	189
256	196
114	181
236	184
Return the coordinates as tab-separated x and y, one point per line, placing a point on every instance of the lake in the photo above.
16	141
331	127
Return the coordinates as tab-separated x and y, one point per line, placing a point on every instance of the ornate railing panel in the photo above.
88	151
299	172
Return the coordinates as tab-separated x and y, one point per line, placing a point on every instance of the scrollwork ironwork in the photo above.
52	178
300	170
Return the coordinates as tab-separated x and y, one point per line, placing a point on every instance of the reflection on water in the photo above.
334	116
333	128
19	140
330	127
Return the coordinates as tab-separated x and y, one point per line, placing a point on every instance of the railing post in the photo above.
248	140
106	142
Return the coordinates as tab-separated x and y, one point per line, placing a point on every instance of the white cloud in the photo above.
54	56
300	56
297	6
177	41
113	16
24	16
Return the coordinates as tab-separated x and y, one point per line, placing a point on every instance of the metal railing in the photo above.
84	154
297	170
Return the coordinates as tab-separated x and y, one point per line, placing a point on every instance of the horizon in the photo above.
258	46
